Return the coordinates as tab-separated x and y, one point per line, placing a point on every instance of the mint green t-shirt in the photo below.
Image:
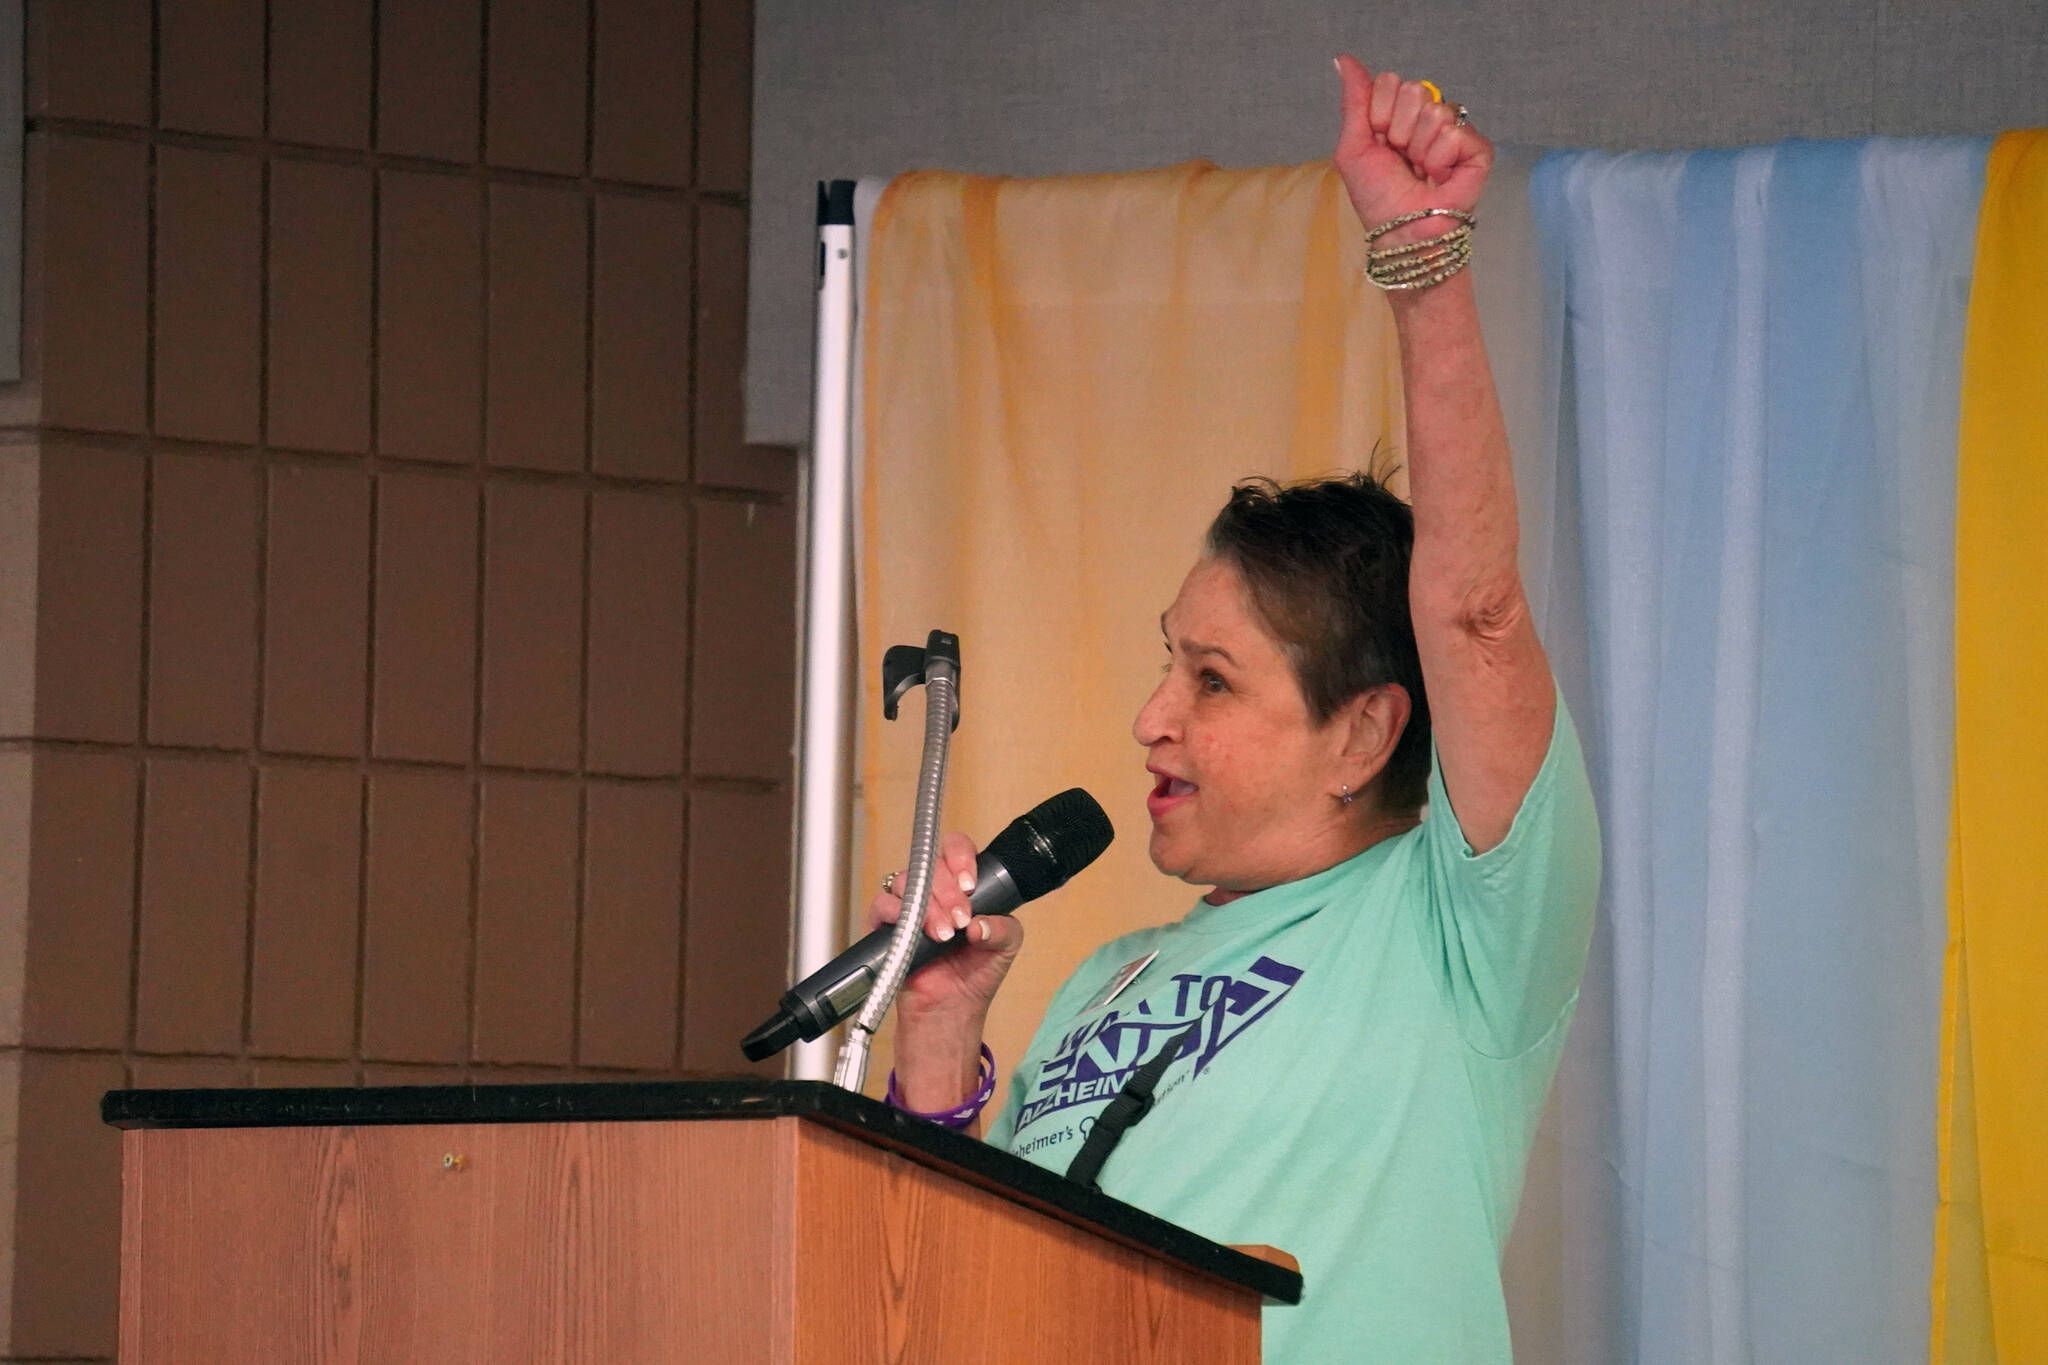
1376	1043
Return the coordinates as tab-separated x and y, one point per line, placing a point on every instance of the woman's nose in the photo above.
1155	719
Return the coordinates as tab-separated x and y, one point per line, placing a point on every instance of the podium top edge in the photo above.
742	1098
569	1101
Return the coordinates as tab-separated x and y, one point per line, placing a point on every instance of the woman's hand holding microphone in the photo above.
944	1004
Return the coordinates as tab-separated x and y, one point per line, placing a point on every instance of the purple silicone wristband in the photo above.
960	1115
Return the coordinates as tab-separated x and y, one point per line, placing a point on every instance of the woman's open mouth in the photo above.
1167	793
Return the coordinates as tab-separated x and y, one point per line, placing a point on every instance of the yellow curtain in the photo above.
1062	379
1991	1253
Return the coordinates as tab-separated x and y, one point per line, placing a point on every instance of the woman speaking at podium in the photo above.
1359	750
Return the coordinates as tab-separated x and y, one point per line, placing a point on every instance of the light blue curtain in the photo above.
1754	414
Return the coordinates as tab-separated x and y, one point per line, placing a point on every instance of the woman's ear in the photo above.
1375	720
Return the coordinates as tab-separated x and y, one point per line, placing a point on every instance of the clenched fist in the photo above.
1401	151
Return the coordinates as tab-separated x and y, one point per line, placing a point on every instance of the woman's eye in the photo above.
1212	681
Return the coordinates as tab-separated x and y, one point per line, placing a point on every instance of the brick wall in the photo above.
396	636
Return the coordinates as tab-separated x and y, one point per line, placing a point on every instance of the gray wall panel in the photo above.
846	88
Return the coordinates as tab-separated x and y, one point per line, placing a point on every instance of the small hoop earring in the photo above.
1346	796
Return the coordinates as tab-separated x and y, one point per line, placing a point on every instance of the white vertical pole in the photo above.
825	753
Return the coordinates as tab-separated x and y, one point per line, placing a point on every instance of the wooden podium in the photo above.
727	1221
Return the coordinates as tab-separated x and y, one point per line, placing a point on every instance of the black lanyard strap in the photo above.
1132	1103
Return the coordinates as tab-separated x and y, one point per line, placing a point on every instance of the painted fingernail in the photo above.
960	917
983	934
966	881
944	932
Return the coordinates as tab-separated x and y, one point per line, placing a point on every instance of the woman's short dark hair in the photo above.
1326	563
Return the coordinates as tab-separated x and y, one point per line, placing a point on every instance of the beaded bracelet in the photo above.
1418	265
960	1115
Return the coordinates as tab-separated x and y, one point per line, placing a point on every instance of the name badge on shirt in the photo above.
1125	975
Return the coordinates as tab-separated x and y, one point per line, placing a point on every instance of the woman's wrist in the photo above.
1407	234
1446	298
963	1116
1399	259
938	1059
1453	293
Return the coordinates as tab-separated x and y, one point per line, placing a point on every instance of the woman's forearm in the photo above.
1460	474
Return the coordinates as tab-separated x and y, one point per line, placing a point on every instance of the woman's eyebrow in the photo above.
1196	647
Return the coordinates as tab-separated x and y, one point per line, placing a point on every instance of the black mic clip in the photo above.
905	667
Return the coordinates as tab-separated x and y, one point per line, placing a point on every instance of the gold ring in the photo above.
889	885
1436	96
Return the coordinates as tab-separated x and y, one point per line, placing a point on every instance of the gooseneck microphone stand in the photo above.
937	666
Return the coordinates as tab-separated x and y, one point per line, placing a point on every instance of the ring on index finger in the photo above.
889	885
1464	116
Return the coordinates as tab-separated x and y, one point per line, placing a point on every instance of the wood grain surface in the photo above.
931	1269
612	1242
780	1241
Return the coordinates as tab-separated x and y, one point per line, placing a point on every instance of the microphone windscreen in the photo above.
1052	841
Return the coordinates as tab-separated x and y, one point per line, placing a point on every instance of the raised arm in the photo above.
1490	693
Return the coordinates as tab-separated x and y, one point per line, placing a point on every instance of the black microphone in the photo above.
1036	853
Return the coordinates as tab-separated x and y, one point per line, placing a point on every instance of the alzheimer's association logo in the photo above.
1095	1060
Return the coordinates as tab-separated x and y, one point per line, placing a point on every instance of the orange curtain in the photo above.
1062	379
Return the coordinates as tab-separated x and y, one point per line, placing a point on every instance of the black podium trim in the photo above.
929	1144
